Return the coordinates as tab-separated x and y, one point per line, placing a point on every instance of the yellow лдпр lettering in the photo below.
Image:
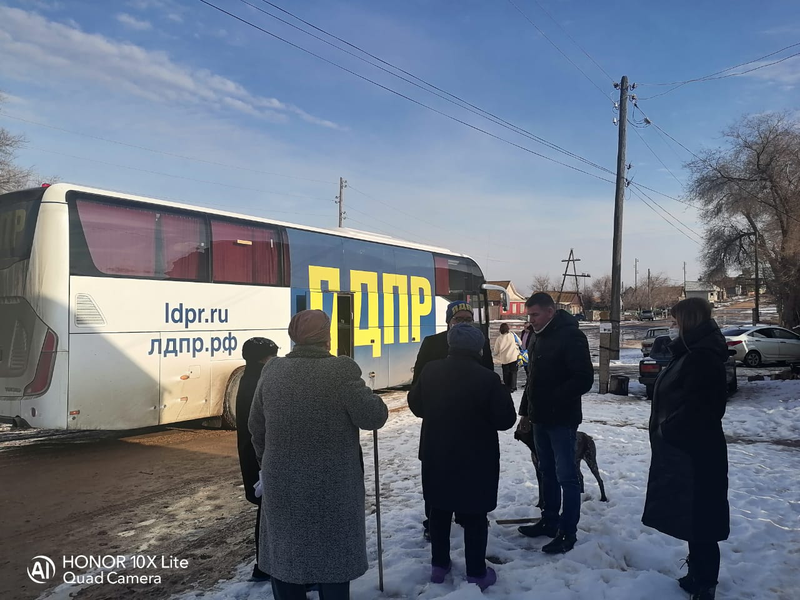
371	336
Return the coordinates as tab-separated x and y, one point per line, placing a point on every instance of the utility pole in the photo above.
756	309
684	278
340	201
574	262
649	291
609	344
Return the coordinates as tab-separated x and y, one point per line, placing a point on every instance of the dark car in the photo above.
660	355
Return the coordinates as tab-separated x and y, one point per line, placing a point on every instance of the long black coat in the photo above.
435	347
559	372
462	406
687	491
247	455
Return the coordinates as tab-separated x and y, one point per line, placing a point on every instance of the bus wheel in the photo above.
229	403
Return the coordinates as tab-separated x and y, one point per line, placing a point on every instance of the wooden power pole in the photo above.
609	342
340	201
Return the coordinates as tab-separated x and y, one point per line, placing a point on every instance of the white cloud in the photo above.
132	22
785	73
34	46
175	17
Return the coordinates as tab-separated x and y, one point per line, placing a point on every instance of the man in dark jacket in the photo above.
256	352
435	347
559	372
462	406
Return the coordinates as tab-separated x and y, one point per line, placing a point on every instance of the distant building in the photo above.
516	302
704	289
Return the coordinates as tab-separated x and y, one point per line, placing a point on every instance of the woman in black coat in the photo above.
256	352
462	405
687	491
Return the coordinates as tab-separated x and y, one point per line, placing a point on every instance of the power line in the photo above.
416	217
651	199
658	158
573	41
156	151
670	223
404	96
444	95
719	74
709	164
552	43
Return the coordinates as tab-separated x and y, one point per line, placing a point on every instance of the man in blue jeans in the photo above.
559	372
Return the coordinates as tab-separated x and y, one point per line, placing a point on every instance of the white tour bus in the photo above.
118	311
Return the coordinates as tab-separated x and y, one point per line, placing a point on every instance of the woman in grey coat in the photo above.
305	421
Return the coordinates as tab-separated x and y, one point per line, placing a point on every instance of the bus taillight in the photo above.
44	370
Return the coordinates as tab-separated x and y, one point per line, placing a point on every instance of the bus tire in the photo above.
229	402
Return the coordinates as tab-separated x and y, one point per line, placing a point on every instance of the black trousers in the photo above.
510	375
476	534
704	562
297	591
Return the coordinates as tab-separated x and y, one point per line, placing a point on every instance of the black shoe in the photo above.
259	575
540	529
426	533
564	542
706	594
687	583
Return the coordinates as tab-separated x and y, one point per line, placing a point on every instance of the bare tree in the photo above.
541	283
12	177
601	291
749	196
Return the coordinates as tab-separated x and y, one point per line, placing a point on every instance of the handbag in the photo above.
522	359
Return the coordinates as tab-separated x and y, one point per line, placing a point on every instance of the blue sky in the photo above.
180	77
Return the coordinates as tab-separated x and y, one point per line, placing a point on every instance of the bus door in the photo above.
185	383
344	325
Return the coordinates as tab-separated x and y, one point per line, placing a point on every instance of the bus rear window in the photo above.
18	212
131	241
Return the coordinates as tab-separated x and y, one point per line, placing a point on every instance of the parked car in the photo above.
650	336
660	355
647	315
756	345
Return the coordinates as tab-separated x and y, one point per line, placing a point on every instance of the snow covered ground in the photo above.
616	557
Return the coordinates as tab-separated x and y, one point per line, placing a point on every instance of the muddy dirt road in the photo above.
173	491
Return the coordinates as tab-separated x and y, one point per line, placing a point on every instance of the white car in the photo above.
763	343
649	338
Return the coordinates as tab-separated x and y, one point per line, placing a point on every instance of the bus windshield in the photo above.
18	212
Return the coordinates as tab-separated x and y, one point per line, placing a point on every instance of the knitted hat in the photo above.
455	307
465	337
258	348
310	327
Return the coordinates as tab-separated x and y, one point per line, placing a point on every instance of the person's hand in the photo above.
524	425
258	487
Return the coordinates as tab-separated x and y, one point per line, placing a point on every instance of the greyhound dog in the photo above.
585	449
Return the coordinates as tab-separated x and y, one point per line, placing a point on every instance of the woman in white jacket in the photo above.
506	352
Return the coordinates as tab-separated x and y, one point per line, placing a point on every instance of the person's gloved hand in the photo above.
258	487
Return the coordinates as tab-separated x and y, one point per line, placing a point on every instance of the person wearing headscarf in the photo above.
435	347
462	406
305	421
256	352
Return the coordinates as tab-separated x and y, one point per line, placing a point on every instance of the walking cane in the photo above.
378	509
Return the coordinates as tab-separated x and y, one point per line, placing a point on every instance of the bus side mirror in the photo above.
503	294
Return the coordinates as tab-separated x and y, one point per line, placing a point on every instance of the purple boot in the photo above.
438	573
490	578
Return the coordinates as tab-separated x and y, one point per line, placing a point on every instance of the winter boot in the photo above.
705	594
564	542
687	582
438	573
540	529
489	578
